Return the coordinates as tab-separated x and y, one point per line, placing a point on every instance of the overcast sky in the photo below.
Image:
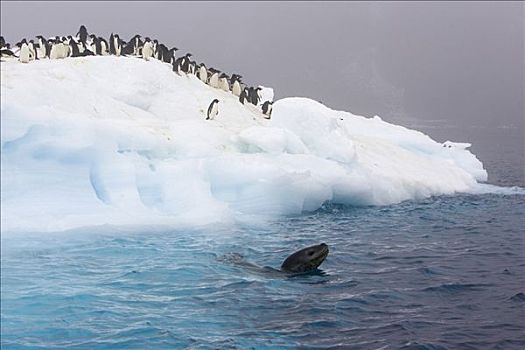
461	63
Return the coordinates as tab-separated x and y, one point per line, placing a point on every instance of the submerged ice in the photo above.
122	141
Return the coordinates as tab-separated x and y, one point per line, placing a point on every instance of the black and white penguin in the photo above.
104	46
66	50
82	34
213	79
32	50
185	65
203	73
73	48
267	109
24	55
147	49
133	47
224	82
235	82
213	109
243	97
253	95
171	54
162	53
53	49
2	42
5	49
177	65
94	44
115	45
156	52
43	47
83	50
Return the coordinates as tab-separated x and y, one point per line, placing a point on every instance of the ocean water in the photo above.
446	272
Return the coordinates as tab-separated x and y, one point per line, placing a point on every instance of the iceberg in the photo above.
121	141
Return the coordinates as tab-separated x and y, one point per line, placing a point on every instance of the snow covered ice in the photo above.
121	141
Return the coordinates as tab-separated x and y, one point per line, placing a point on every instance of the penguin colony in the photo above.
85	44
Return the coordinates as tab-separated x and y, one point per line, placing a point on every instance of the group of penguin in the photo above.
85	44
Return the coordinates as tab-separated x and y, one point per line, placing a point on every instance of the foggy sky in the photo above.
459	63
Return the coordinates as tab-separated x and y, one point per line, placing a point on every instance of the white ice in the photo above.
121	141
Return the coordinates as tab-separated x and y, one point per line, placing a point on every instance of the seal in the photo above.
303	261
306	260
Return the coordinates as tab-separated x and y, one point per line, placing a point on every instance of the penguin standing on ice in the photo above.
5	48
213	81
104	46
171	55
43	47
213	110
235	82
115	45
73	48
203	73
223	82
25	55
147	49
82	34
243	97
267	109
94	45
185	65
32	50
84	50
253	95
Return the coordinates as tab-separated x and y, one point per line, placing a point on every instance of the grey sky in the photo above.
458	62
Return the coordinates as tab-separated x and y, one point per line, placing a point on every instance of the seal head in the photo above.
306	259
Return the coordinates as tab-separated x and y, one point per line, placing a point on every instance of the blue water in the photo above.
442	273
447	272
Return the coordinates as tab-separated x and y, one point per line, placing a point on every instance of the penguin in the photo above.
213	109
128	49
203	73
137	45
147	49
57	49
66	50
177	64
235	82
134	47
54	51
156	53
213	80
83	50
94	45
32	50
5	51
267	109
192	67
82	34
112	50
223	82
171	54
243	97
104	46
73	49
43	47
24	55
163	53
253	95
2	42
118	45
185	65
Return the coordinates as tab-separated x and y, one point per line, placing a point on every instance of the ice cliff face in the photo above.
122	141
